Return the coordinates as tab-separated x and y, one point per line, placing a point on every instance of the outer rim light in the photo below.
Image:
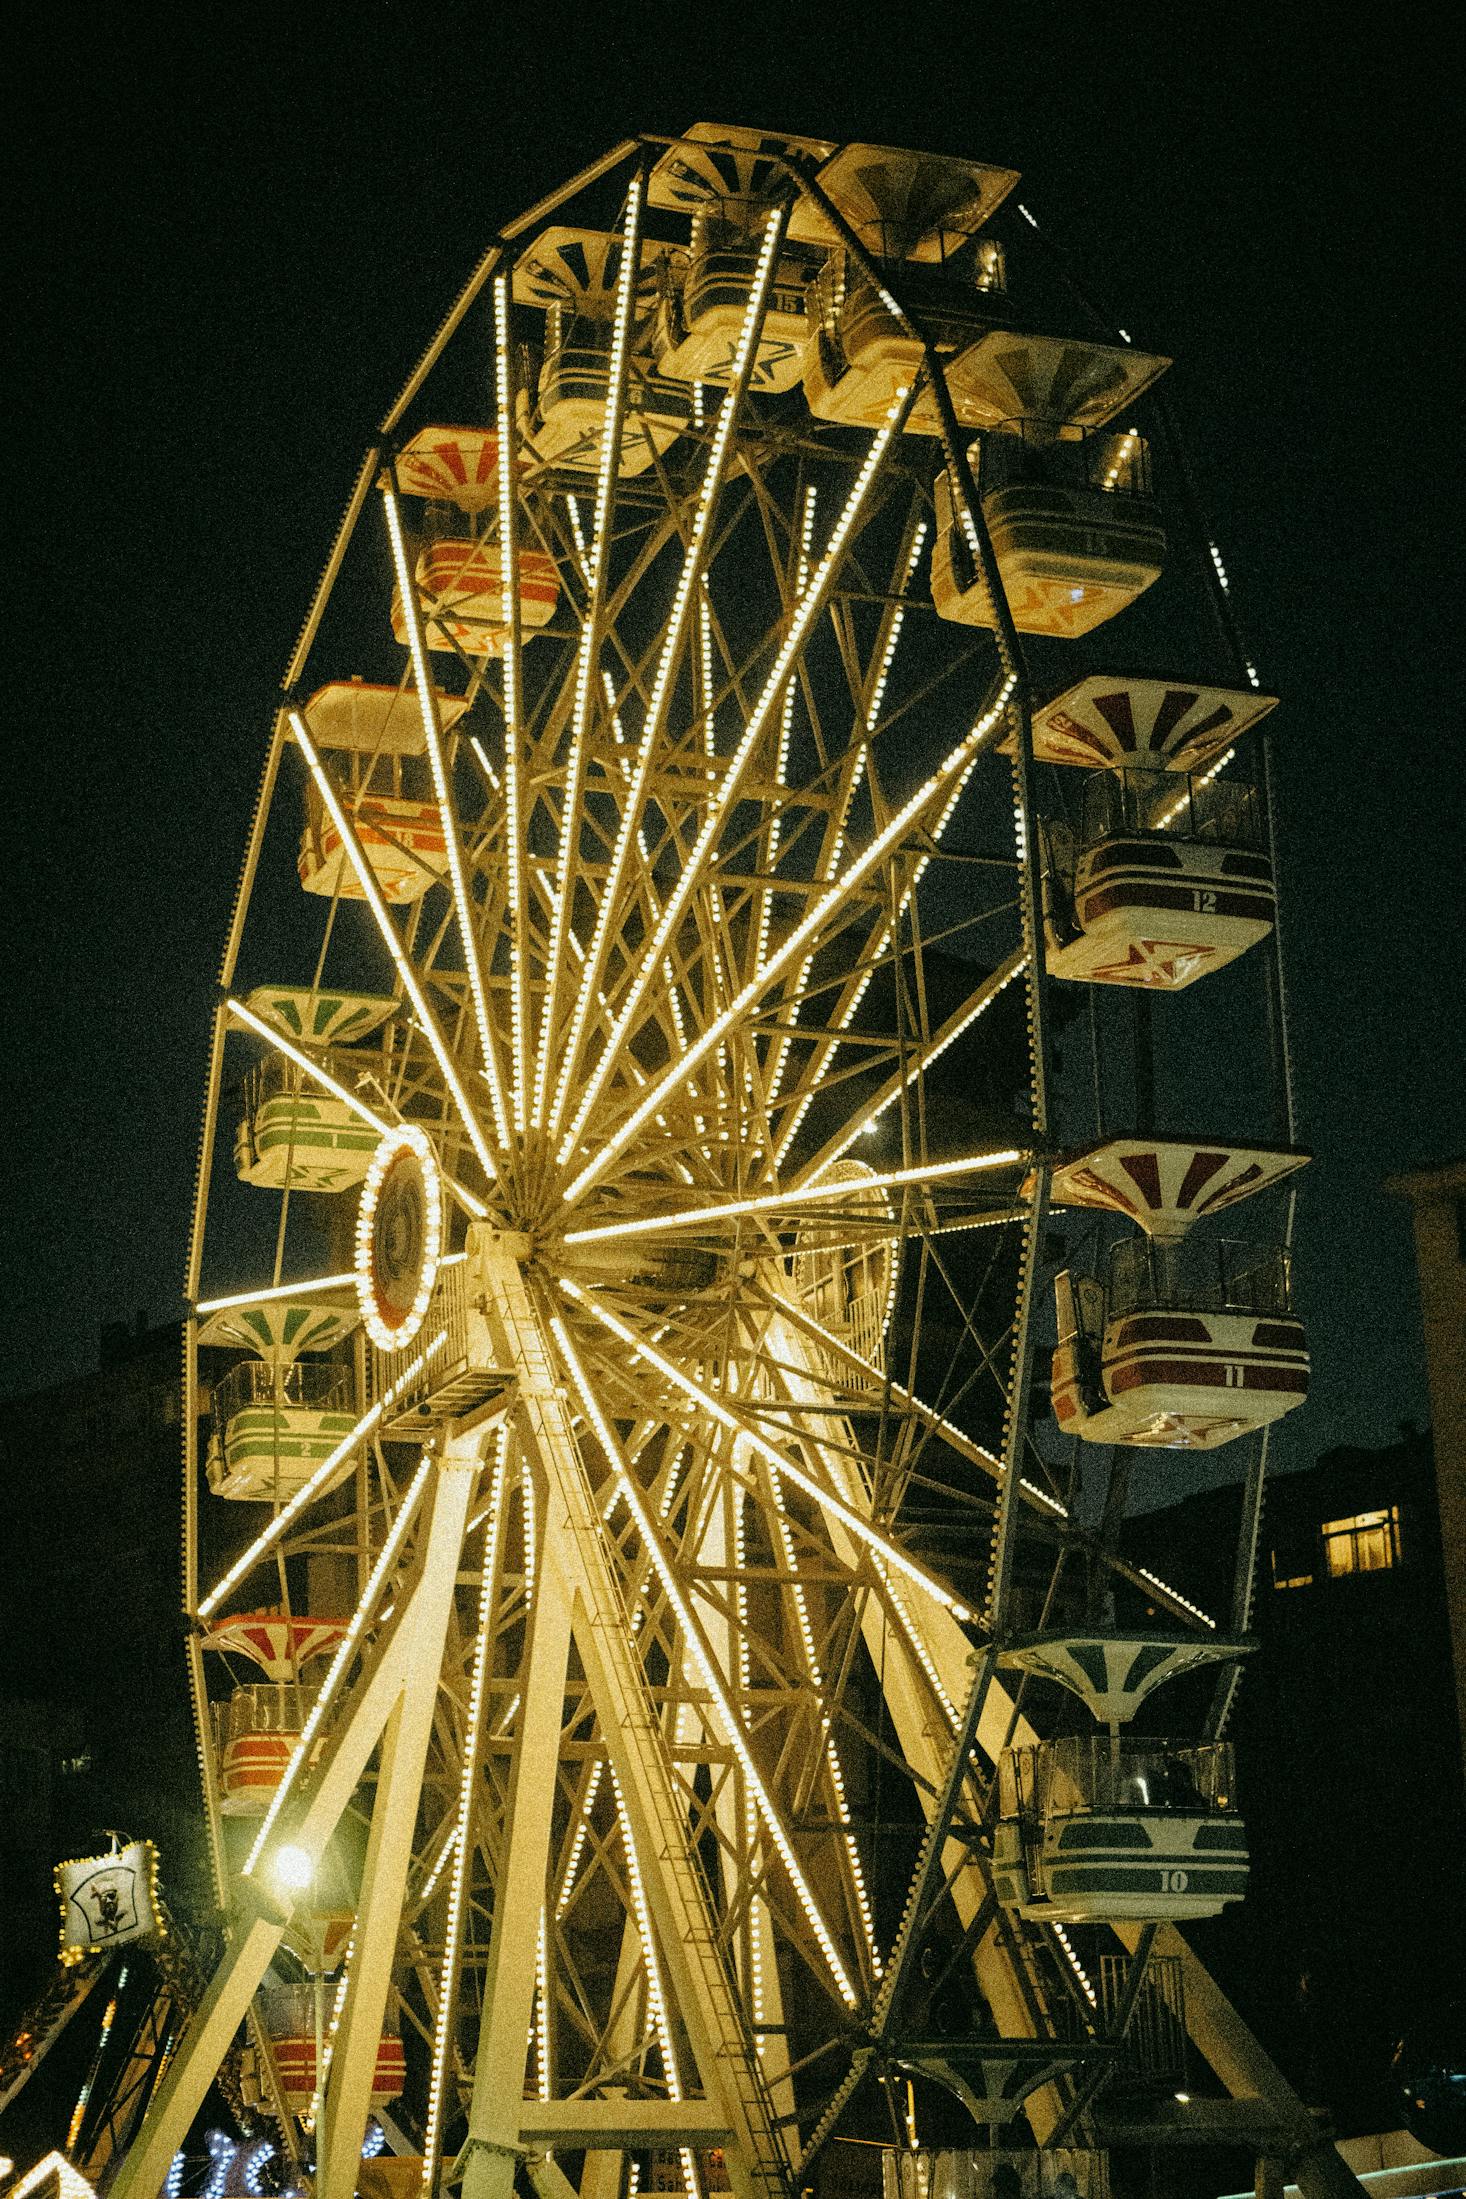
404	1138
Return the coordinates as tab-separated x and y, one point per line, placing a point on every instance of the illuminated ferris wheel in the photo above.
660	1678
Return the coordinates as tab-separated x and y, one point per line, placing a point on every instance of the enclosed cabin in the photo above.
458	568
918	216
277	1417
571	275
731	181
1075	527
1160	872
289	2016
258	1727
370	738
1181	1347
273	1425
1186	1342
256	1732
1100	1828
925	273
292	1134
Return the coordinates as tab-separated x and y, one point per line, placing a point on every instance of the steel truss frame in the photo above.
621	1635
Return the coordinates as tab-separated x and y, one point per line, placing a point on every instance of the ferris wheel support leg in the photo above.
259	1931
698	1985
394	1817
217	2018
495	2111
550	2180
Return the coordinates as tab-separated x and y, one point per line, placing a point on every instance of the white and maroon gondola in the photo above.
1160	873
1158	1357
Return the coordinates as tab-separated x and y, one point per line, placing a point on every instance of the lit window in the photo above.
1367	1543
1293	1564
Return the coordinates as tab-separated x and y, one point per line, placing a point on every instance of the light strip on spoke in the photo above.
366	878
705	1402
947	780
908	1399
980	734
703	1658
587	656
656	1996
577	1845
514	820
328	1083
427	702
774	831
916	1064
319	1481
808	608
277	1291
461	1835
832	1754
693	566
330	1686
694	1216
827	868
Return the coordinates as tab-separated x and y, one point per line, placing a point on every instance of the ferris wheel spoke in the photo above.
468	929
461	1836
331	1686
853	766
371	893
731	1417
796	1197
511	704
918	1059
685	598
588	657
829	1347
695	1641
931	802
692	878
326	1477
980	737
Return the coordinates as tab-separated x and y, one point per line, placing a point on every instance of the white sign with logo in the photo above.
107	1900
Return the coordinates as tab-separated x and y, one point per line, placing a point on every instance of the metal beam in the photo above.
394	1820
626	2124
574	1551
226	2001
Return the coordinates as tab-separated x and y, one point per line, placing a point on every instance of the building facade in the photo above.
1438	1199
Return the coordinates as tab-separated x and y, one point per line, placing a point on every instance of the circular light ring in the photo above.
399	1237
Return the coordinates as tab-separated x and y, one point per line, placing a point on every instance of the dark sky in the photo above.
237	232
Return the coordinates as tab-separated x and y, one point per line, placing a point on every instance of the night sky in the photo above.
237	235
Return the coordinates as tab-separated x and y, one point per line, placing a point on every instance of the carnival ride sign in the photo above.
108	1900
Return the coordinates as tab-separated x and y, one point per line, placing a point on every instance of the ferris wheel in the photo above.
659	1686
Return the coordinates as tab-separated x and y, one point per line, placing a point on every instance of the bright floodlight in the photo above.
292	1869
